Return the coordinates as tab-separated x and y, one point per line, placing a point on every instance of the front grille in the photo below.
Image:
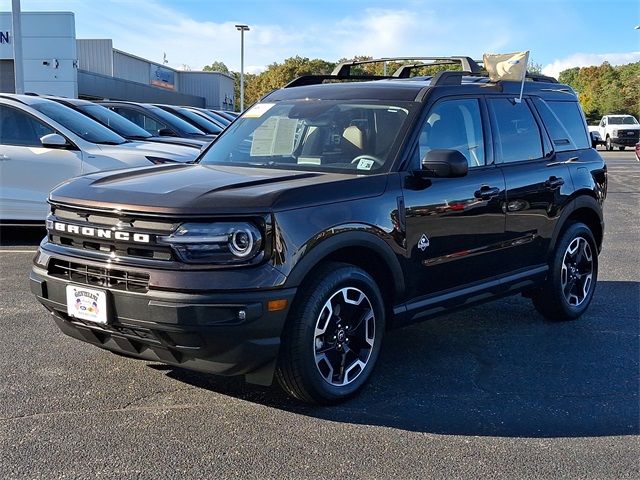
628	133
99	276
110	224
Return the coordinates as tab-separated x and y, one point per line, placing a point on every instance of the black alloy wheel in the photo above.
573	272
333	334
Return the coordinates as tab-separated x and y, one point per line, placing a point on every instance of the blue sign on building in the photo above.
162	77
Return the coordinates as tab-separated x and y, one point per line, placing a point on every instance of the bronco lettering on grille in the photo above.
99	232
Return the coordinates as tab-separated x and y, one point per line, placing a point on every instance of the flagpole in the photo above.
524	77
519	99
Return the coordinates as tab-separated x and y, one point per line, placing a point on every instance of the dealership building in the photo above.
56	63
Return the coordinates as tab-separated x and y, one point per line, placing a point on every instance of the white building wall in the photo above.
49	51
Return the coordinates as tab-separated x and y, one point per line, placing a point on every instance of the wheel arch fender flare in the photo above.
580	202
353	236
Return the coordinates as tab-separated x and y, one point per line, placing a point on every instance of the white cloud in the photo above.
149	28
589	59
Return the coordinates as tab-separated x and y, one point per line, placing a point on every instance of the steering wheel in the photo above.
375	160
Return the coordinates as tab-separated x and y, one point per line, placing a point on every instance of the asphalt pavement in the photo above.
493	391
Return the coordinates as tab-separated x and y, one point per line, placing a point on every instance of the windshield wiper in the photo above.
109	142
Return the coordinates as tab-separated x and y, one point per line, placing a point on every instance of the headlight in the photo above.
614	133
221	243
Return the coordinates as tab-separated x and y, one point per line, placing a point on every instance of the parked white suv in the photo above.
616	131
43	143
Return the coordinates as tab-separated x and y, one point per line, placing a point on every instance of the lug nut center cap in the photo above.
341	335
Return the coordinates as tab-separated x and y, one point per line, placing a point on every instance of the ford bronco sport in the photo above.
335	208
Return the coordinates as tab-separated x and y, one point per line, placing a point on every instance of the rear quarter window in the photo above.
572	119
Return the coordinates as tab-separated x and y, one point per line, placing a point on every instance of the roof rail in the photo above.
317	79
10	96
467	63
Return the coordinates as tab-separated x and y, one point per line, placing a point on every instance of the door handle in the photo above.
4	157
486	192
554	182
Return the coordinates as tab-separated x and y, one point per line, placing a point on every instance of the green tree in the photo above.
606	89
216	67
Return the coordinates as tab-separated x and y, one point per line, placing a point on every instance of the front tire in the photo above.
607	144
333	335
573	273
621	148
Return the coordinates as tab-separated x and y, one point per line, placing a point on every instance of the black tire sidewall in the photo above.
573	231
307	314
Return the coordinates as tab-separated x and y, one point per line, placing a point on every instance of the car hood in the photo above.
207	189
168	151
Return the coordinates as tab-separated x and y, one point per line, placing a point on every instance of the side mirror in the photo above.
54	140
445	164
166	132
595	139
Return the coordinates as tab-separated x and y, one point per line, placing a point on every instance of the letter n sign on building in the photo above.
4	37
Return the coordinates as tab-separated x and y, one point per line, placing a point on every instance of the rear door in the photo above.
538	181
28	171
454	226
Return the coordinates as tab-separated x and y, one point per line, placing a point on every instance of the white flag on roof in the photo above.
506	66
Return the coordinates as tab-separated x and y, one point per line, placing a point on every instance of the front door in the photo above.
28	171
454	226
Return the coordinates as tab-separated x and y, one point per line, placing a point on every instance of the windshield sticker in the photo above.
258	110
263	138
365	164
276	136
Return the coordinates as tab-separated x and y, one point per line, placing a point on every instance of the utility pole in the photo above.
16	40
242	29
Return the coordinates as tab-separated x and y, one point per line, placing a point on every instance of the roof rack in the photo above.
316	79
469	67
467	63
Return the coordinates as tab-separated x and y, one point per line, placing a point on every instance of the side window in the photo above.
20	128
131	115
570	115
140	119
517	134
560	137
152	126
455	125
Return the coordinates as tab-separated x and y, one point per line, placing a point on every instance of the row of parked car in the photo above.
46	140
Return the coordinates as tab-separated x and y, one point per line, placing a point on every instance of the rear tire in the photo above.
573	273
621	148
332	337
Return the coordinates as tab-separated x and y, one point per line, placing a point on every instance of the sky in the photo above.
559	33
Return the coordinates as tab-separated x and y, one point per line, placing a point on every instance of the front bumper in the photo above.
199	331
626	142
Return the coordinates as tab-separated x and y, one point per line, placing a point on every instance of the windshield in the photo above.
81	125
626	120
177	122
320	135
114	121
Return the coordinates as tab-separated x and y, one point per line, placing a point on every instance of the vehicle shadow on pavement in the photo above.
498	369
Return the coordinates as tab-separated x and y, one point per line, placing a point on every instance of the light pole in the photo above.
18	63
242	29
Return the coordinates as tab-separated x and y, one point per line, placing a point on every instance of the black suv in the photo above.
333	209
